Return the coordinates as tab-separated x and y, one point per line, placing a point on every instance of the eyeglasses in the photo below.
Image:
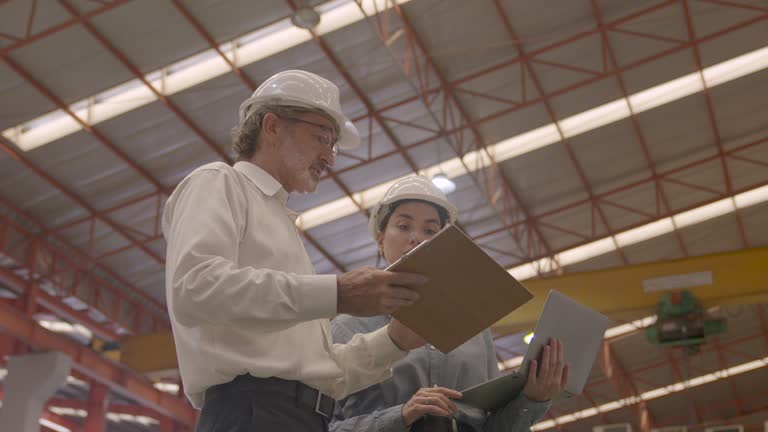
327	140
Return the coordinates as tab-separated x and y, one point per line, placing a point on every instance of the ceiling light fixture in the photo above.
54	426
194	70
644	232
444	183
547	135
305	18
528	338
653	394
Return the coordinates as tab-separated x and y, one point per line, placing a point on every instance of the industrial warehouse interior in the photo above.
614	151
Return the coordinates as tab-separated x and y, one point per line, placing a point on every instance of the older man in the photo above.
250	317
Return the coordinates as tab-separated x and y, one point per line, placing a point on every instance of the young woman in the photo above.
421	394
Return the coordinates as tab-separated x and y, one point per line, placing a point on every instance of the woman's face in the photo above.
410	224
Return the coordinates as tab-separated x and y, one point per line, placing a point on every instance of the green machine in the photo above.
681	321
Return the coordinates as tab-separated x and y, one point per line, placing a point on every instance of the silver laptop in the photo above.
578	327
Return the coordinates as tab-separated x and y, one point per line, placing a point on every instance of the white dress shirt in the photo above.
243	295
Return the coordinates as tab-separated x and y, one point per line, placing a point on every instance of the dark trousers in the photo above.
249	404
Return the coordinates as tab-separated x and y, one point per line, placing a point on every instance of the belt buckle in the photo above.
319	410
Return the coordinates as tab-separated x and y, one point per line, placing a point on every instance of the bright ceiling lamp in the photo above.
665	93
705	212
526	142
53	426
282	35
167	387
190	72
140	419
67	411
111	416
644	232
342	207
653	394
329	212
585	252
443	183
567	257
594	118
570	126
67	328
622	329
531	269
751	197
737	67
76	382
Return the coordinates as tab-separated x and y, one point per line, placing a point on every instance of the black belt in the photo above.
431	423
304	395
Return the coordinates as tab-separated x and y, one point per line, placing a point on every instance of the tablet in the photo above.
578	327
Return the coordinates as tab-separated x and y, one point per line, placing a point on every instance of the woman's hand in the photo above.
430	400
549	380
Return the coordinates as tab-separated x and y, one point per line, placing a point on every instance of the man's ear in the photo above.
271	127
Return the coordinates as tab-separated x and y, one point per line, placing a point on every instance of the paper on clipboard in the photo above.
467	290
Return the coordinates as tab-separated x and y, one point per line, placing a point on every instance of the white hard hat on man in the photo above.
307	90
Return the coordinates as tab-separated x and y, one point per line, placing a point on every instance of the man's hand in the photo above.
403	337
549	380
369	292
429	400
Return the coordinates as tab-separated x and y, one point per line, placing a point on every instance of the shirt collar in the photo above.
262	180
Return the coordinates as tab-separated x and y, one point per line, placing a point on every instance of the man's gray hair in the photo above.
245	137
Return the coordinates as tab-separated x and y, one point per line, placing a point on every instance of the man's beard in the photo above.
307	180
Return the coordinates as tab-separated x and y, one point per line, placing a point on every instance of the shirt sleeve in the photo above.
386	420
519	414
365	360
203	224
347	416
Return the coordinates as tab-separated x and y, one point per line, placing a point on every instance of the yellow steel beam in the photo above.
737	278
149	353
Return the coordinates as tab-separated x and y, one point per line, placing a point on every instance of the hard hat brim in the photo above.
349	138
451	209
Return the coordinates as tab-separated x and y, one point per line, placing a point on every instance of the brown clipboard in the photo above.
467	291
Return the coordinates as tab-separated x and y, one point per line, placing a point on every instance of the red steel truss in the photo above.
49	274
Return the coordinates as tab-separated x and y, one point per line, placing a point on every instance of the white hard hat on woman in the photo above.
417	188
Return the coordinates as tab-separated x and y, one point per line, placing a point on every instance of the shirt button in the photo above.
430	347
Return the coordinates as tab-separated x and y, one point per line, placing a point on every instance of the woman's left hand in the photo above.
549	379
